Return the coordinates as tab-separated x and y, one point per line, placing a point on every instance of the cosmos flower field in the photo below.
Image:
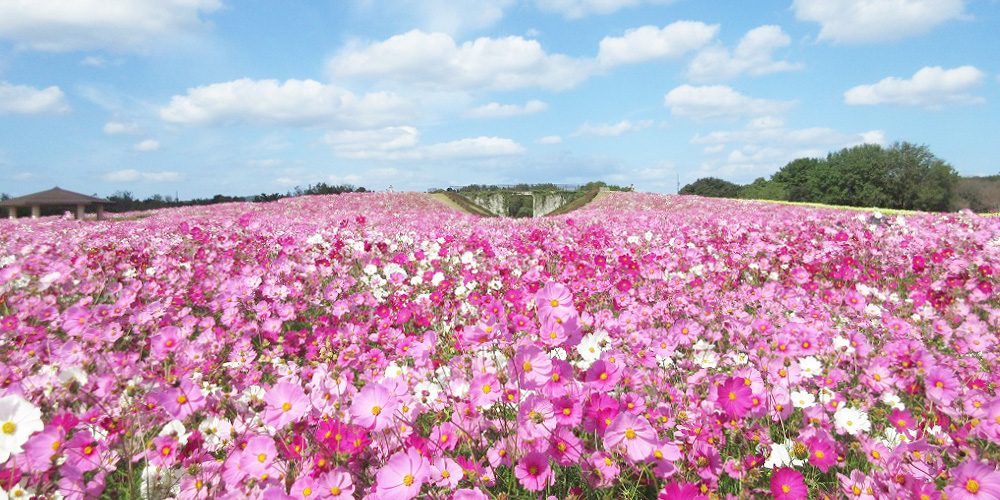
384	346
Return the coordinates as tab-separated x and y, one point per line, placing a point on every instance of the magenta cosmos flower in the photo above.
403	475
633	433
533	471
788	484
974	481
735	397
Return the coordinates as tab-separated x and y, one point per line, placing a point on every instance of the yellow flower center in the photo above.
820	454
526	366
55	445
9	427
785	488
732	396
334	490
487	389
306	491
972	486
533	470
182	399
287	406
554	303
88	450
376	410
604	376
445	474
629	433
408	480
262	457
165	451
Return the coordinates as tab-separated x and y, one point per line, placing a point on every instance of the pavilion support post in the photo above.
100	212
81	211
11	212
36	211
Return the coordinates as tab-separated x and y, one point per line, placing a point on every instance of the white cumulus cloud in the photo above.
27	100
292	103
119	128
931	87
132	175
497	110
753	56
869	21
611	130
774	131
649	42
708	101
436	61
119	25
580	8
147	145
403	144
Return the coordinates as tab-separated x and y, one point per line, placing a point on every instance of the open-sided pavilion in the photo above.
55	197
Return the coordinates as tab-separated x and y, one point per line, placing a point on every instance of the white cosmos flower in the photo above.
810	366
19	419
781	456
852	420
802	399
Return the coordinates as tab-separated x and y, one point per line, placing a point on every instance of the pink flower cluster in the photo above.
382	346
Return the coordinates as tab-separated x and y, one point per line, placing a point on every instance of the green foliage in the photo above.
903	176
762	189
712	187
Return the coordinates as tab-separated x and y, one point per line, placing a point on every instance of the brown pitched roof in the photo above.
54	196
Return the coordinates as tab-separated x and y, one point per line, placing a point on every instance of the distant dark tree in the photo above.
979	194
4	196
713	187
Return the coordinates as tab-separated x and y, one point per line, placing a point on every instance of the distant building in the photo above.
55	197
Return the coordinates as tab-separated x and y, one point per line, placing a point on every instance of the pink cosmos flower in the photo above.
403	475
286	402
602	375
941	385
533	367
446	472
564	446
822	453
536	418
602	469
374	407
555	301
305	488
485	389
180	402
166	341
258	456
974	481
633	433
735	397
533	471
83	452
336	485
680	491
788	484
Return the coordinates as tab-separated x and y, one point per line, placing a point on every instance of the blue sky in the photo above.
205	97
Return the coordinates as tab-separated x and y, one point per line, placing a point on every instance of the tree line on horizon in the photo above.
902	176
125	201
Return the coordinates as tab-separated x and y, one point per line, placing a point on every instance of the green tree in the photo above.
762	189
712	187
